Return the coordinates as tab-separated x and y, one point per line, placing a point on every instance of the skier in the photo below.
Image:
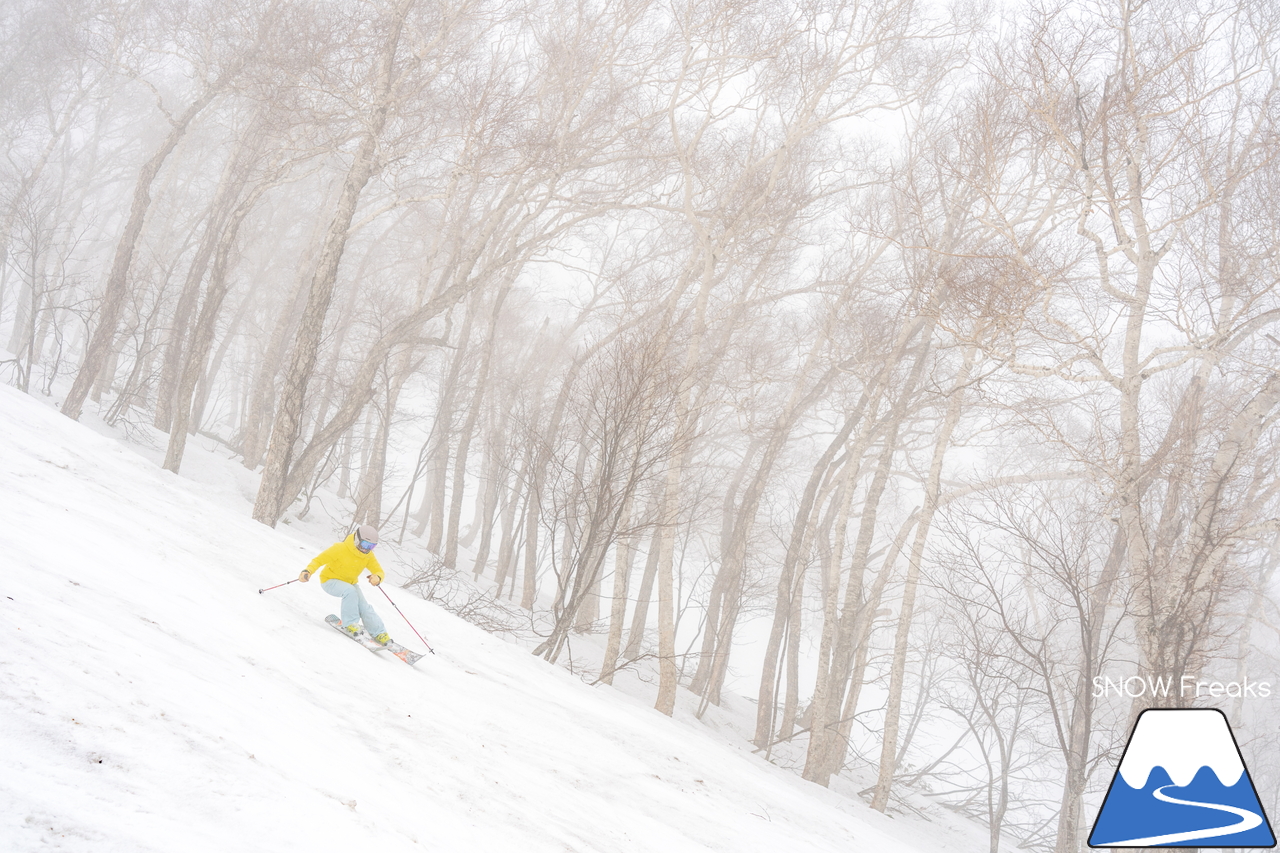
343	562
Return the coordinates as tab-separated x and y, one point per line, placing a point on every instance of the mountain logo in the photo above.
1182	783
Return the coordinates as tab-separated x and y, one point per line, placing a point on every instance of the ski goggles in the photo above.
365	545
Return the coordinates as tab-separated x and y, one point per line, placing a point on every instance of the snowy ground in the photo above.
154	701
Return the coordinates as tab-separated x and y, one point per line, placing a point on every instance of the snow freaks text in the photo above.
1138	686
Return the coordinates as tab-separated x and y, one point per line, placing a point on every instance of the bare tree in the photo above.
221	70
383	50
621	416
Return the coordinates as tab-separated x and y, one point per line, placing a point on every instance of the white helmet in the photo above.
366	537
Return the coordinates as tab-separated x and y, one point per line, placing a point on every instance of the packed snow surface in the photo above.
153	700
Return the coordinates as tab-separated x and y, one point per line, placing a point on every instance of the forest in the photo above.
916	366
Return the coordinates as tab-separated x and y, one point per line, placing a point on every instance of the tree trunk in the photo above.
529	591
869	401
837	643
491	494
261	408
468	429
838	745
202	338
512	521
622	559
172	364
640	616
723	580
766	702
1080	725
204	390
897	672
101	343
667	670
369	500
272	497
441	452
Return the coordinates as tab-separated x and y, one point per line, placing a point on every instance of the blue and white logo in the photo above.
1182	783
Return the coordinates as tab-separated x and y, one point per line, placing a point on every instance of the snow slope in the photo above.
154	701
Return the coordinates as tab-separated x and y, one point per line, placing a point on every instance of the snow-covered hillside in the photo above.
154	701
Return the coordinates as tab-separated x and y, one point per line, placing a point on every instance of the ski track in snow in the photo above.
154	701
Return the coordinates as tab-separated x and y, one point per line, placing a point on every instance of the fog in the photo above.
934	348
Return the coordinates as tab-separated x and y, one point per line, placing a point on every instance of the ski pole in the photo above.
406	621
277	586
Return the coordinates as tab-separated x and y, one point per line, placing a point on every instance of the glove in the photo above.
375	580
305	576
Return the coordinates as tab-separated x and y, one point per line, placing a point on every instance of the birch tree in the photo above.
220	70
1138	185
382	65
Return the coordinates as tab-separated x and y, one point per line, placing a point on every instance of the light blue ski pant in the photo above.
354	606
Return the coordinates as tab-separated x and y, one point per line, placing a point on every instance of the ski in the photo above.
362	638
373	645
404	654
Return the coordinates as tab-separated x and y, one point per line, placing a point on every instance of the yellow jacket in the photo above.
343	561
